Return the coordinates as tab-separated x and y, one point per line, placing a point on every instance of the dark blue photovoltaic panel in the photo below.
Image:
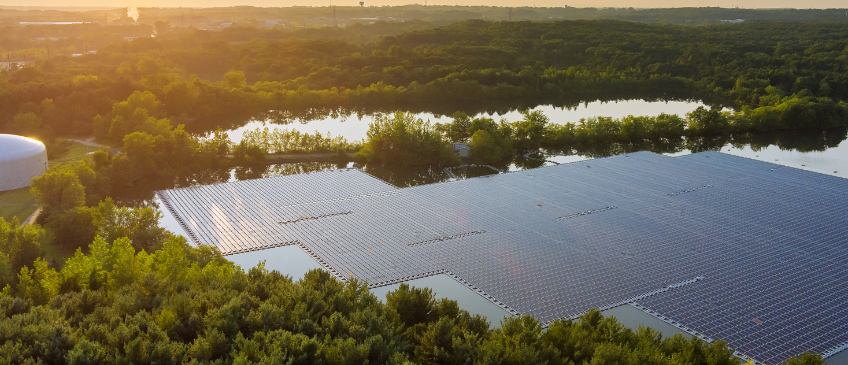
244	215
729	248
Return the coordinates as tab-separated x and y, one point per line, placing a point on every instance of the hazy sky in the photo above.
557	3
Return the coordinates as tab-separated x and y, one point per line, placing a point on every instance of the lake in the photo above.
813	152
354	127
823	152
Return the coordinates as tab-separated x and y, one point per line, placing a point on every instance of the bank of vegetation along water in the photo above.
403	139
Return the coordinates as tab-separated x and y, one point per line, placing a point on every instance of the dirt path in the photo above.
90	142
307	157
31	218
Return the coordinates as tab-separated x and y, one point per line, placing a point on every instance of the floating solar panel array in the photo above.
247	215
723	247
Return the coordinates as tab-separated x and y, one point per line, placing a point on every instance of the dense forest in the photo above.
166	100
312	16
208	80
122	304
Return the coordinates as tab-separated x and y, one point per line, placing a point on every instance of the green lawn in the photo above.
76	152
18	202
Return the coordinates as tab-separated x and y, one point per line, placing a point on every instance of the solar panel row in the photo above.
724	247
243	216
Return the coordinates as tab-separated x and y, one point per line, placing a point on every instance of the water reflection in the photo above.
632	317
445	287
840	358
406	176
819	151
261	171
288	260
353	125
797	141
822	151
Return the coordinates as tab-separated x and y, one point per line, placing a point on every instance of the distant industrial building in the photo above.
21	159
721	247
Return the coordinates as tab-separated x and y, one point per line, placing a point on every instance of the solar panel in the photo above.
721	246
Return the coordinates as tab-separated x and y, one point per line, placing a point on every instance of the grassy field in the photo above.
77	152
21	203
18	202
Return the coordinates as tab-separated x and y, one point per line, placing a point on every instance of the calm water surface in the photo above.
354	127
632	317
444	286
832	161
292	261
818	153
285	259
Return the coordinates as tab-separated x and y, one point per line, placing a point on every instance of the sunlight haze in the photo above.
387	182
539	3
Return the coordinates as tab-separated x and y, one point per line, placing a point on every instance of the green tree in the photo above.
403	139
58	190
485	149
806	358
145	100
235	79
39	284
248	154
412	305
528	132
140	225
457	131
20	246
703	121
27	124
127	116
635	128
140	149
518	342
667	126
217	147
72	228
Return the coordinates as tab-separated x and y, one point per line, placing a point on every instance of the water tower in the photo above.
21	159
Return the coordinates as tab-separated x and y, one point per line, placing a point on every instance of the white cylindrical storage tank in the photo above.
21	159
